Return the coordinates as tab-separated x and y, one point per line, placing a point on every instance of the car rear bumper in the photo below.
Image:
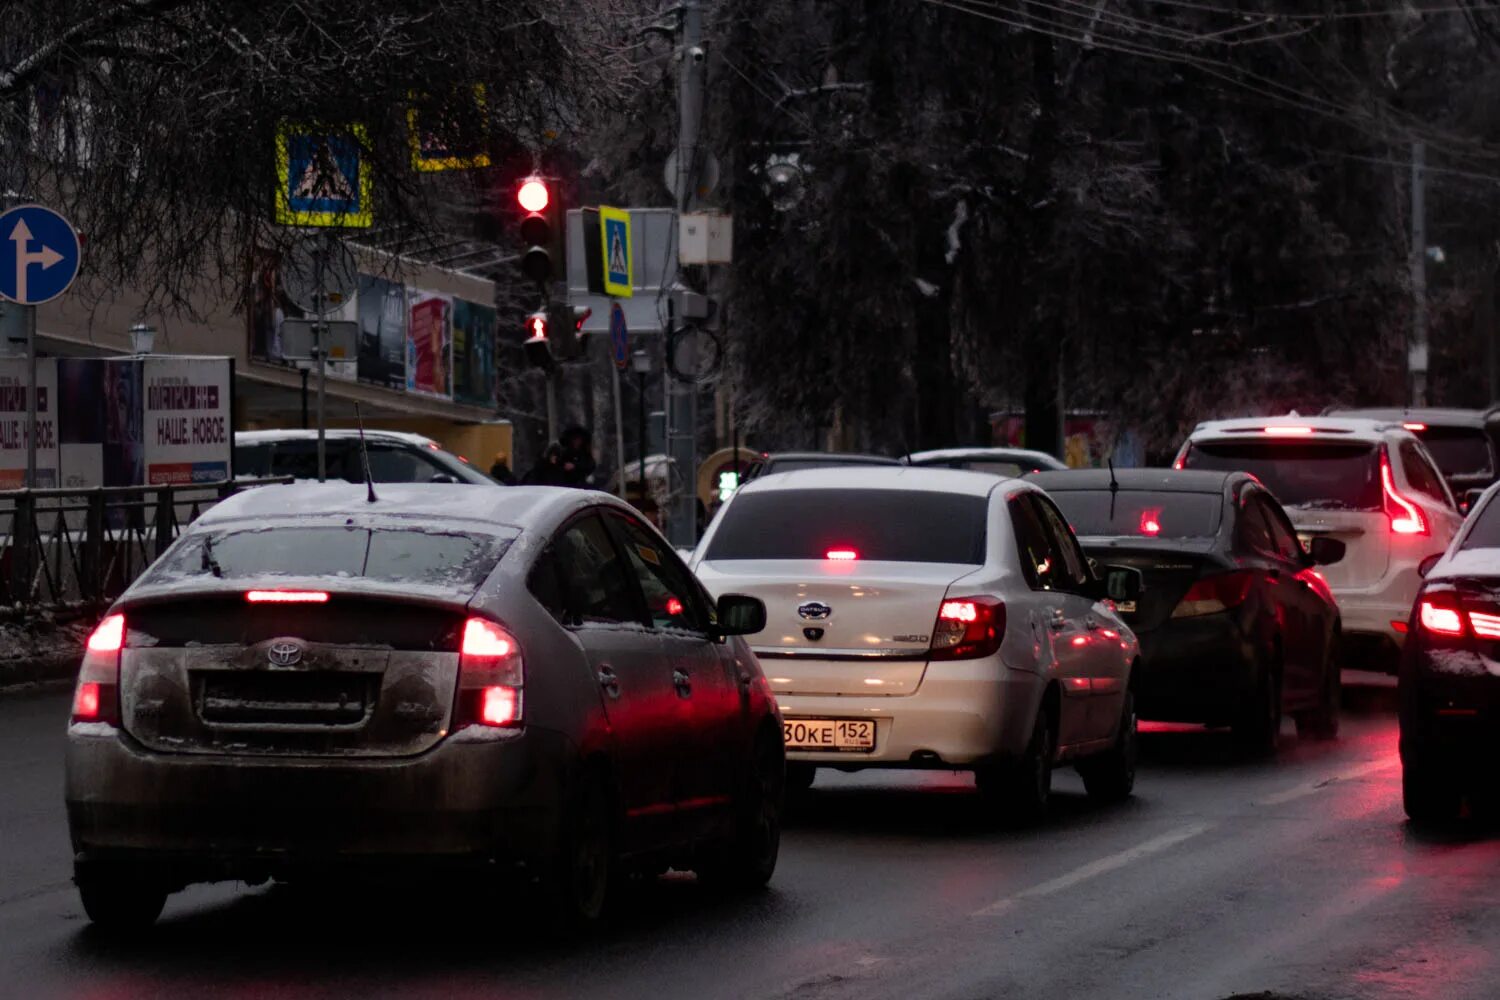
1450	710
964	713
1201	669
223	817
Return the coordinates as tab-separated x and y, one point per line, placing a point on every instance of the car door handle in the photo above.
683	683
1059	621
609	681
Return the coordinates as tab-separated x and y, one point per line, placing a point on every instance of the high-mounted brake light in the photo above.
967	628
674	607
1151	522
1438	618
286	596
1288	431
1210	595
1406	517
490	677
1414	426
97	697
841	555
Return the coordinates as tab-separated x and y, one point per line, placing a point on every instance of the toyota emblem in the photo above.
814	611
284	653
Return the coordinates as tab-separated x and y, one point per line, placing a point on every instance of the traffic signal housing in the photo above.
565	324
541	229
538	344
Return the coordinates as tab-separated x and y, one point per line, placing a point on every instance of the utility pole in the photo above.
682	430
1416	352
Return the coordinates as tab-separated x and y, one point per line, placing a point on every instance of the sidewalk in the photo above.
40	652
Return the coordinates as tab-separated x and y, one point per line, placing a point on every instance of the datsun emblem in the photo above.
814	611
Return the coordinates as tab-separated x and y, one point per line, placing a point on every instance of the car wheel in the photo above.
1259	729
748	860
579	885
1022	789
799	778
1430	795
120	902
1322	723
1110	776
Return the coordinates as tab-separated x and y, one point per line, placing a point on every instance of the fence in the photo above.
79	549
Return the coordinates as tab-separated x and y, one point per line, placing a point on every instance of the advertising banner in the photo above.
429	344
382	332
13	430
473	353
187	420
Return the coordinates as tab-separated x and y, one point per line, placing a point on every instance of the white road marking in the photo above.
1103	865
1309	788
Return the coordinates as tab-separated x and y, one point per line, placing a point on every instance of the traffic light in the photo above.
565	324
541	229
538	345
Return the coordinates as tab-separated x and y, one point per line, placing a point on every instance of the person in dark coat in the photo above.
500	471
578	457
548	471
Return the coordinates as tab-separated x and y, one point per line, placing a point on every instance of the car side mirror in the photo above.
741	614
1425	566
1324	551
1471	497
1123	585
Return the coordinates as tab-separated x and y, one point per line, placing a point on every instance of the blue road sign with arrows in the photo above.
619	336
39	255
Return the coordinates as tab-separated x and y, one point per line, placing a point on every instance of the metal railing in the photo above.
77	550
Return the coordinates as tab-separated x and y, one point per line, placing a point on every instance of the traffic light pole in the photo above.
682	431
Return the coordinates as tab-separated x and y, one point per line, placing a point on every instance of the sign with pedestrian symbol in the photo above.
614	229
322	177
39	255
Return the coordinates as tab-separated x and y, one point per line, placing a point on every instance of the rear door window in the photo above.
1420	473
893	525
1073	565
1317	476
671	598
1254	530
1149	513
593	583
1283	539
1041	564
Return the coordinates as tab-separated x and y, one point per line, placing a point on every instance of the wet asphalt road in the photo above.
1295	877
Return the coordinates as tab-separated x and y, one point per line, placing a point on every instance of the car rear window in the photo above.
1484	532
890	525
1144	514
798	464
427	556
1341	476
1459	451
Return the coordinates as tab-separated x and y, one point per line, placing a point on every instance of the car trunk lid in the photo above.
1367	540
1167	569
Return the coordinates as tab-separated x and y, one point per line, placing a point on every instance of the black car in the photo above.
794	461
1449	682
1235	624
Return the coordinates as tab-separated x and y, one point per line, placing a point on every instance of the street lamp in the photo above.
142	338
640	363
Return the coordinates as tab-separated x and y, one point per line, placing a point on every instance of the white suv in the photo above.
1370	484
932	618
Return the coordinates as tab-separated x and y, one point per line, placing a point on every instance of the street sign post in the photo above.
39	258
619	336
614	231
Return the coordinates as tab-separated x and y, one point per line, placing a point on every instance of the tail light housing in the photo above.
1406	516
967	628
1441	615
97	696
491	677
1210	595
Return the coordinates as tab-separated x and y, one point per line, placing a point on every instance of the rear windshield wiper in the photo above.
210	564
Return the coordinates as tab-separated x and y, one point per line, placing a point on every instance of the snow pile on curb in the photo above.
40	649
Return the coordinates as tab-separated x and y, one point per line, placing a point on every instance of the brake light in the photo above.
1440	618
1151	521
841	555
1414	427
490	677
1288	431
286	596
1406	517
1210	595
967	628
674	607
1485	626
1181	461
97	697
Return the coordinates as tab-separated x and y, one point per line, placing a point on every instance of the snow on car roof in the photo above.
298	434
878	477
516	506
1294	427
981	453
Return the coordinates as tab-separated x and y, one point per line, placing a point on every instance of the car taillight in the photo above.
97	697
968	627
1406	517
1440	615
1151	522
286	596
490	677
1213	594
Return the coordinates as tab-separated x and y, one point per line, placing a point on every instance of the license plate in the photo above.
856	735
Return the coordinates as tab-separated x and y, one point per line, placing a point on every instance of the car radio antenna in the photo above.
364	455
1114	489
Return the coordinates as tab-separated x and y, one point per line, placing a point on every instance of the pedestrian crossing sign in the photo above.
322	176
614	230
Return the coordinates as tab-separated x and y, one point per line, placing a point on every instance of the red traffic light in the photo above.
533	195
536	326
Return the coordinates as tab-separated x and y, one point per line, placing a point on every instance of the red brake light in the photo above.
1288	431
490	677
1212	594
674	607
86	702
286	596
1181	461
1151	521
500	706
1414	426
1438	618
1485	626
109	637
485	639
967	627
841	555
1406	517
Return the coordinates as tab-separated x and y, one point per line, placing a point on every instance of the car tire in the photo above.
1110	776
1322	723
1430	795
1021	790
799	779
748	860
120	902
581	881
1258	730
